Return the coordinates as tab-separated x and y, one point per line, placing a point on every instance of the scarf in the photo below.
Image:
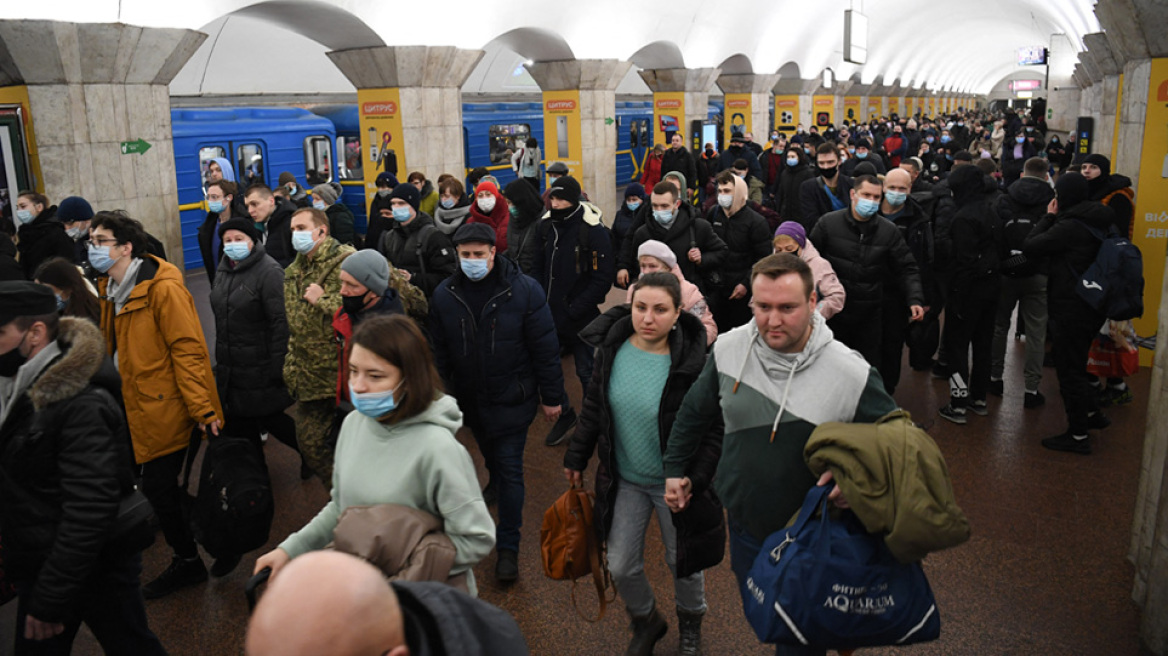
119	293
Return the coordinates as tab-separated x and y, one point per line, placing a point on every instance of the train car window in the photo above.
634	134
349	151
318	160
206	155
505	140
250	165
645	133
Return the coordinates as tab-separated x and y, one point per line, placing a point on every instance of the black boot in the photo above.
182	573
689	633
647	631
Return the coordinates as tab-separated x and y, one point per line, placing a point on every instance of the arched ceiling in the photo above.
951	45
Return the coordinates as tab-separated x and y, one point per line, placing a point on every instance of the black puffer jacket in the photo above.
206	237
378	225
687	231
9	267
865	255
787	199
341	222
682	161
916	227
278	231
1019	210
814	201
65	456
251	335
1071	248
43	238
977	239
420	248
701	531
748	239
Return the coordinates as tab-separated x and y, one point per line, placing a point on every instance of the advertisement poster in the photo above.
852	111
1150	222
875	107
786	113
561	130
910	106
668	115
822	111
894	105
932	106
736	116
381	135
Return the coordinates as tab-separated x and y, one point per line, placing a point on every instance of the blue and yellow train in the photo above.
324	145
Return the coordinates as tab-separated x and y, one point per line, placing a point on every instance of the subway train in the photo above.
325	145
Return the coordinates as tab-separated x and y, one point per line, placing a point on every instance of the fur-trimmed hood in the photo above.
82	356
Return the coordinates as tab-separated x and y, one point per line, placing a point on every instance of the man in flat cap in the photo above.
65	468
500	370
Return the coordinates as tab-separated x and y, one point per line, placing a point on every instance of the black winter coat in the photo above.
501	364
977	240
688	231
787	198
341	221
378	225
865	255
730	154
1019	210
278	232
205	235
440	619
814	202
572	286
748	239
41	239
682	161
9	267
420	248
1071	249
916	227
251	335
66	465
701	529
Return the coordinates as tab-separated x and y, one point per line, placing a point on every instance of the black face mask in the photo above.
828	172
12	361
709	152
560	215
353	304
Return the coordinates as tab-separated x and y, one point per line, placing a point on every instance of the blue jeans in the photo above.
744	547
110	603
634	506
503	455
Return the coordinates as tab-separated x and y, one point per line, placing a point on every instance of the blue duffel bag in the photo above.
828	583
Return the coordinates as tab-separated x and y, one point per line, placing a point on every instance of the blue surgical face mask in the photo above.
634	205
946	138
99	257
792	161
374	404
861	154
384	192
866	207
238	250
302	241
446	203
60	303
24	216
474	269
319	205
930	139
215	206
401	214
895	198
664	217
1020	139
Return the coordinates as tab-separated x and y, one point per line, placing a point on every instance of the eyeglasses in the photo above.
99	241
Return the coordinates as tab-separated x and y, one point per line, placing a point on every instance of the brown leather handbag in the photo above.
405	543
570	548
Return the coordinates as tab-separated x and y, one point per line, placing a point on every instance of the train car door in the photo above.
247	163
639	138
15	173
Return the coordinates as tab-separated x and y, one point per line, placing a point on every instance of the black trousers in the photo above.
160	484
1072	333
110	604
280	425
972	324
861	329
894	316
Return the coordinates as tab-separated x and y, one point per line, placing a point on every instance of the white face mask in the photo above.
487	204
725	200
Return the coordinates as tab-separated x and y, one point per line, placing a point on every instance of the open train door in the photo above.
15	173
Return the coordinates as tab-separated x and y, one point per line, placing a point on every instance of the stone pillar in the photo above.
87	88
579	112
681	94
410	98
751	96
796	89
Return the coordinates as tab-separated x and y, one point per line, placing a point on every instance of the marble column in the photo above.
87	88
694	86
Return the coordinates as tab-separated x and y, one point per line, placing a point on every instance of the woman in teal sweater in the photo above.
647	357
399	447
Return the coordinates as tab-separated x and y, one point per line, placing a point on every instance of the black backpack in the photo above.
232	513
1114	283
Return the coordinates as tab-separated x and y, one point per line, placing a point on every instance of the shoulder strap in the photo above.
329	271
601	577
423	234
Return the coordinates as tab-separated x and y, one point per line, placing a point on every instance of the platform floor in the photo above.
1045	572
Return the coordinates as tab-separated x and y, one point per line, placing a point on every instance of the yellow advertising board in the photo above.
1150	223
910	106
381	135
875	107
561	130
786	113
822	111
852	110
893	105
931	105
18	95
668	115
736	116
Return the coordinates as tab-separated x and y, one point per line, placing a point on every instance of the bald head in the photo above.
326	602
898	179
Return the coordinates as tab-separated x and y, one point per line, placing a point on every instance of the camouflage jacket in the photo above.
310	369
412	298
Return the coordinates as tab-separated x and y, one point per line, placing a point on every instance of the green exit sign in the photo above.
136	147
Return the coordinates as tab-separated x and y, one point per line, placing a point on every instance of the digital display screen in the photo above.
1032	56
1025	85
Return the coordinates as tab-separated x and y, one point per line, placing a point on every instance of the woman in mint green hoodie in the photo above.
399	447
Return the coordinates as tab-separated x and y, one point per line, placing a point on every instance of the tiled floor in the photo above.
1045	572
